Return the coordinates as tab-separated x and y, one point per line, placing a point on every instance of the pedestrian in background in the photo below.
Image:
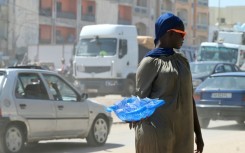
165	74
64	68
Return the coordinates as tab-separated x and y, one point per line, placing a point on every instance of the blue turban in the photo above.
164	23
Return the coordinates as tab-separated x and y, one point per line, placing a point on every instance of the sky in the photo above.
224	3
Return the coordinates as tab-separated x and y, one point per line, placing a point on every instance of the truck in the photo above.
219	51
226	45
49	55
229	36
106	58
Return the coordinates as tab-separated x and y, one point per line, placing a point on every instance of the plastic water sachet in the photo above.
134	108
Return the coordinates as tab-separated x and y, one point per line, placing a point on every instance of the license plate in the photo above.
221	95
111	83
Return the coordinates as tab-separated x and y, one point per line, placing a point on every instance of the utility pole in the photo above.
194	21
218	15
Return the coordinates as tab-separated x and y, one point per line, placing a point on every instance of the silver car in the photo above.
37	104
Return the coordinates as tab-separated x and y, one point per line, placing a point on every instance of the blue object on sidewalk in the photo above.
134	108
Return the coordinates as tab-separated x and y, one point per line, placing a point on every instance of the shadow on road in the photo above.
238	127
68	147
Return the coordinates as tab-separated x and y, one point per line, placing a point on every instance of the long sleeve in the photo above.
145	75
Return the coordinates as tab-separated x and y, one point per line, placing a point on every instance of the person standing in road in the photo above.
63	69
165	74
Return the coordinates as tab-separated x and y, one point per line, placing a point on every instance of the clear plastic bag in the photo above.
134	108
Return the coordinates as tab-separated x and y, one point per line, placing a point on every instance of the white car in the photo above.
37	104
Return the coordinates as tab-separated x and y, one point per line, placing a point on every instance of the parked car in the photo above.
200	70
38	104
221	97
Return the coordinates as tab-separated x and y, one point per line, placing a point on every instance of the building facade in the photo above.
225	18
60	21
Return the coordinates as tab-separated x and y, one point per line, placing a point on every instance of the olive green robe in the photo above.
170	129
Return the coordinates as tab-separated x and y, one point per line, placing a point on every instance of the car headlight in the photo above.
196	82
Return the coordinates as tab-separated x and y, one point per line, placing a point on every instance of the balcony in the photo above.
202	3
184	1
44	41
65	22
141	11
125	1
67	15
202	27
88	17
124	22
45	12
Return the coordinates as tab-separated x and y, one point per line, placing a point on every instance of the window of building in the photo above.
183	15
59	6
202	18
142	3
183	1
90	9
203	2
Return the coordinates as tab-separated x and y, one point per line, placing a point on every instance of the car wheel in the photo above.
204	122
13	140
130	87
99	132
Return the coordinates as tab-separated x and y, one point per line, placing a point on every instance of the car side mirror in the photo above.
84	96
122	48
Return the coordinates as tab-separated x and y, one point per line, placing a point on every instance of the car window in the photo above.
2	76
228	68
60	90
30	86
201	68
224	82
220	69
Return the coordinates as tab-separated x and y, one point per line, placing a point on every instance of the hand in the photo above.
131	124
199	143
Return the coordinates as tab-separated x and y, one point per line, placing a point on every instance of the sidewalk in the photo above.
109	101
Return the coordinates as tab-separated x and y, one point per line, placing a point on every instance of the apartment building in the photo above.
195	15
60	21
3	28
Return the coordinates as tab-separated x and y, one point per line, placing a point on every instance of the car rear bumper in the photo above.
221	112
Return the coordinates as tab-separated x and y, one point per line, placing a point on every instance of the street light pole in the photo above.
219	15
194	21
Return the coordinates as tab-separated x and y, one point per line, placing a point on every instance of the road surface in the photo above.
220	137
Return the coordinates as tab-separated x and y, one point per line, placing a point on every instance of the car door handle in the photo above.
60	107
22	106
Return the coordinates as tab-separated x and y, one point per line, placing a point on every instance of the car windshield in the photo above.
212	53
223	83
96	47
2	76
202	68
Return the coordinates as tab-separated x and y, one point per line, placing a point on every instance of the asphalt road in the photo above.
221	136
224	137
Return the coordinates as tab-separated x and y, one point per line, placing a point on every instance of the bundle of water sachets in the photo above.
134	108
